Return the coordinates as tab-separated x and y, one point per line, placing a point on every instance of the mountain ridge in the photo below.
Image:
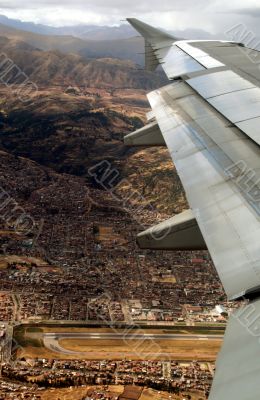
96	32
123	48
55	68
90	41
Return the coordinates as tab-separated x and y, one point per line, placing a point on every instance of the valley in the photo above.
72	199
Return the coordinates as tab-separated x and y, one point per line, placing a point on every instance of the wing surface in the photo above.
209	118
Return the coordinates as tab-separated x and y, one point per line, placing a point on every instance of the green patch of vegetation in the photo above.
34	329
20	338
196	330
136	122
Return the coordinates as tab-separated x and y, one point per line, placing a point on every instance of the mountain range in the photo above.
50	68
87	41
94	32
87	100
117	48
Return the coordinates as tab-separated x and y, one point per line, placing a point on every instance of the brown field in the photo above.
79	393
32	345
41	352
150	394
7	233
183	352
26	263
171	279
5	260
107	234
135	349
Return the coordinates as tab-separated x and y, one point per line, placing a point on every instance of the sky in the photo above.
213	16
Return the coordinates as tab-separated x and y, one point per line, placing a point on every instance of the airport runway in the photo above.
130	336
51	340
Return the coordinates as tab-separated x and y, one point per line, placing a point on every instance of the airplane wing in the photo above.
209	118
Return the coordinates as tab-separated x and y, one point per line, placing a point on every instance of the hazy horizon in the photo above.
214	17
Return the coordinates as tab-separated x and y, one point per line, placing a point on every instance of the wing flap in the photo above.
149	135
178	233
151	61
234	97
210	122
204	148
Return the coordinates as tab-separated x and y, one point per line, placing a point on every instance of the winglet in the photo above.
154	39
150	33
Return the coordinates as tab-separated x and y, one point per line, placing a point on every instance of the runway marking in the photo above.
51	341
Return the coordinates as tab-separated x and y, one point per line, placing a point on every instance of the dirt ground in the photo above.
79	393
114	391
138	350
179	349
150	394
5	260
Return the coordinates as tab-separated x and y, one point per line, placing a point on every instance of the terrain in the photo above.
63	165
82	31
118	48
94	32
118	344
112	392
88	41
52	143
53	68
77	129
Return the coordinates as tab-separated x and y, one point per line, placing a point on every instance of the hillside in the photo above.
55	68
48	147
120	48
75	120
63	43
70	133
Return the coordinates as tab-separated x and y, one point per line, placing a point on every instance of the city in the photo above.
129	200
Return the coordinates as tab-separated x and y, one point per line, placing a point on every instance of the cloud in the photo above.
214	16
59	13
253	12
123	5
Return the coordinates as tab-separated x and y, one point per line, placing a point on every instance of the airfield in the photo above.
114	391
116	344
